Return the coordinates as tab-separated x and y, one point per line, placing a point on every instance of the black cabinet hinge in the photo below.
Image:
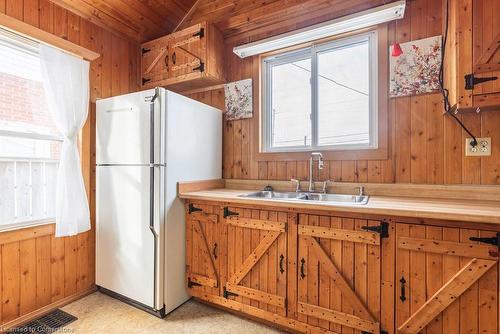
471	80
382	229
192	208
144	81
200	33
191	283
226	294
228	212
144	51
495	241
200	68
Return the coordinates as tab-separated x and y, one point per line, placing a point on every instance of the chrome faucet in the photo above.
325	186
361	191
321	164
297	185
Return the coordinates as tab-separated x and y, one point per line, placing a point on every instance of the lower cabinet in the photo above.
339	274
256	258
313	273
447	280
203	247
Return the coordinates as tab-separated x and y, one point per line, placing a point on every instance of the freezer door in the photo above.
125	244
123	129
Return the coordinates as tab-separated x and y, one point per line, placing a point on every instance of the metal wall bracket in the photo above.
228	212
226	294
200	67
471	80
191	283
200	33
495	241
192	208
382	229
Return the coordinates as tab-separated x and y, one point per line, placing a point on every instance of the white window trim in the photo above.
312	52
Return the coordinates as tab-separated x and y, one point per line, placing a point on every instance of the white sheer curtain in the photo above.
66	85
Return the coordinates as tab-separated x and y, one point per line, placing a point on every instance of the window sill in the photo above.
26	225
380	153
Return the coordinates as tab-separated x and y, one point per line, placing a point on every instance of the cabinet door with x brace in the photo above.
257	258
203	246
188	51
339	273
155	62
447	280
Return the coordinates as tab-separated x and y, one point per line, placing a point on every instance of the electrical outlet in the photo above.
483	147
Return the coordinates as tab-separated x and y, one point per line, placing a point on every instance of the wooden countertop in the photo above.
428	208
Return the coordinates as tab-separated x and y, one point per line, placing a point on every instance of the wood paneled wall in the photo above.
425	146
37	269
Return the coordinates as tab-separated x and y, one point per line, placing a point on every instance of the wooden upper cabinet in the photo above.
188	59
203	248
339	274
472	65
257	258
447	280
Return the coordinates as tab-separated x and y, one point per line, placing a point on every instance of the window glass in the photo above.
321	97
344	95
29	141
291	113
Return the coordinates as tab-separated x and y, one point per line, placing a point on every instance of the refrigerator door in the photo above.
123	129
125	243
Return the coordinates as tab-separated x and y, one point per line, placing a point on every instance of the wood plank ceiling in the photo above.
139	20
143	20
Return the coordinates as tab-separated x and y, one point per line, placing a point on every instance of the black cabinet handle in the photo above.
174	58
282	259
166	61
302	265
403	289
214	251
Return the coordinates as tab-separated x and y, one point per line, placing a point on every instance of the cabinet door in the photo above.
188	49
155	62
203	247
447	281
486	45
257	258
339	274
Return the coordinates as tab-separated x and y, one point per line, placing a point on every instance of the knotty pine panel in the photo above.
425	146
41	270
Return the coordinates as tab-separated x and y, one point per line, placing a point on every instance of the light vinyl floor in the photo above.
98	313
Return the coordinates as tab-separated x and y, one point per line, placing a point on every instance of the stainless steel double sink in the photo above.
309	197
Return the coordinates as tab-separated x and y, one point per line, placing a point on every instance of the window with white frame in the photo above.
29	141
323	97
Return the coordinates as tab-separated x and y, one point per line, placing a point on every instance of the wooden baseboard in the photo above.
254	313
45	309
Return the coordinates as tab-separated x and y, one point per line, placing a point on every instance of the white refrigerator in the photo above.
146	142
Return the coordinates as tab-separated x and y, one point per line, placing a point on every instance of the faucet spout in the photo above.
321	165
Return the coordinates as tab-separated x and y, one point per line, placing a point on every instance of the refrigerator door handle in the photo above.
152	189
152	164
